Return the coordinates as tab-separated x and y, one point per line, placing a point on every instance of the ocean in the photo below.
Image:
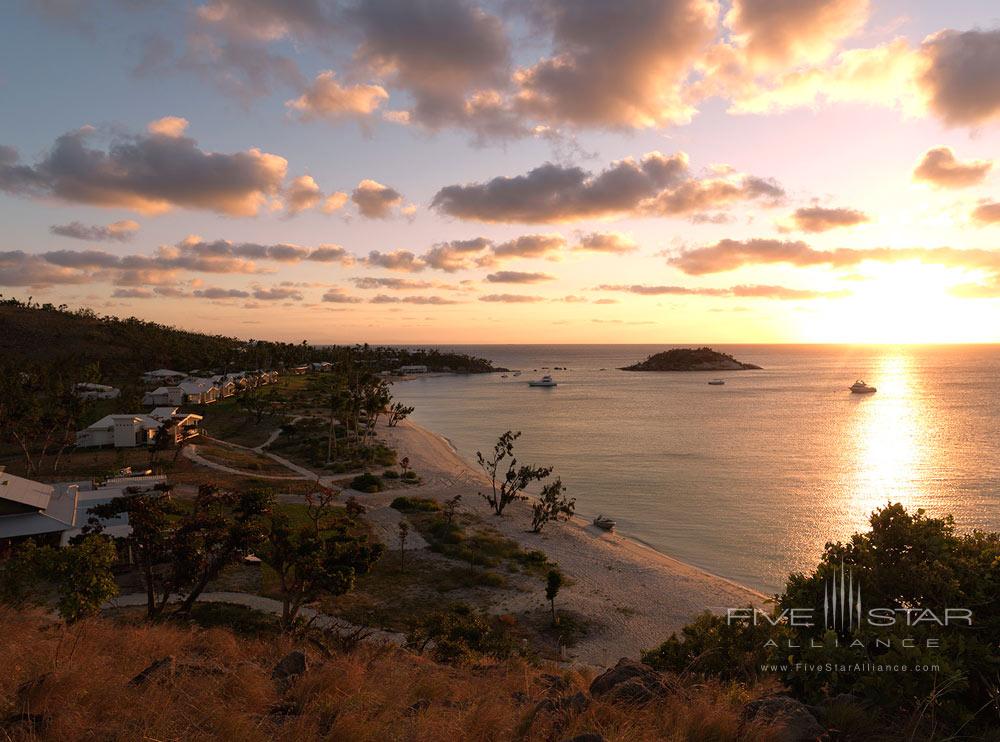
750	479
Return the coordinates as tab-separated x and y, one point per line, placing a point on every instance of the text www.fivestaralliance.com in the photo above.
866	667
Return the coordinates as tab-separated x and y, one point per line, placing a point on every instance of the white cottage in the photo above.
120	431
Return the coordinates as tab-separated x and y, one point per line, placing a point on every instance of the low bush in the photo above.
410	476
366	482
414	504
390	474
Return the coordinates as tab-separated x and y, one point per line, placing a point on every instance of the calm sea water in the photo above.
750	479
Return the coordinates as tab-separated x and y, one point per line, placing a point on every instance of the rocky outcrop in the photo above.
629	682
691	359
788	719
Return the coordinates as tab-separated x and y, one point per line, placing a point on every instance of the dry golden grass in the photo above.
75	683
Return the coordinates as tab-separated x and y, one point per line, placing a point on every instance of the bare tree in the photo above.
508	485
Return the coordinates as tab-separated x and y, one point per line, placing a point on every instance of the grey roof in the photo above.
24	491
29	524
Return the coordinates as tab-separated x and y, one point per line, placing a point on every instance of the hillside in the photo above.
124	348
690	359
83	681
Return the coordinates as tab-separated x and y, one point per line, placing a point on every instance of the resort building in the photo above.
23	506
136	431
298	370
163	376
189	391
97	391
413	369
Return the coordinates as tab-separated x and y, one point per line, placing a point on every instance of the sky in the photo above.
534	171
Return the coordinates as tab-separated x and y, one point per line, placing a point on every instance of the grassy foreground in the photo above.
74	683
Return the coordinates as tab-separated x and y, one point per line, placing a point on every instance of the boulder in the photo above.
629	682
790	720
289	668
158	669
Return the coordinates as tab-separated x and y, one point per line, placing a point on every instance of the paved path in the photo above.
191	452
269	606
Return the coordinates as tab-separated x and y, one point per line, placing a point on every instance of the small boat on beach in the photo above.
717	382
516	373
860	387
544	381
605	524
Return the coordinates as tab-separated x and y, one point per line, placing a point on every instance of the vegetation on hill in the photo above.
925	607
690	359
124	348
116	680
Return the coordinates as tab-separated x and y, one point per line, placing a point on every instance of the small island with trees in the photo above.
690	359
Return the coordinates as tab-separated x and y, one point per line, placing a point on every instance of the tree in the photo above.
254	402
179	551
404	532
450	509
319	557
552	505
398	412
553	581
507	486
80	575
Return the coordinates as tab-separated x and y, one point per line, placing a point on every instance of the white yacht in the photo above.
544	381
860	387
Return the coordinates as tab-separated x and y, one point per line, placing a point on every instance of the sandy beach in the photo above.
634	595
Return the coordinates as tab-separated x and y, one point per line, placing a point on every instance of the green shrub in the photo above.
366	482
414	504
462	634
390	474
410	475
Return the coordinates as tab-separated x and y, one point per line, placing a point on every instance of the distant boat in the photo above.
605	524
860	387
503	376
544	381
517	373
716	382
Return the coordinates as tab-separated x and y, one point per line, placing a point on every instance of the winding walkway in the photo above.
266	605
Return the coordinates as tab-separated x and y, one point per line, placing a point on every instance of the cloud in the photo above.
615	65
327	99
785	33
608	242
396	284
214	292
455	255
387	299
518	277
270	20
121	231
148	173
527	246
447	54
331	254
168	126
337	296
742	291
961	79
987	213
728	255
940	167
397	260
18	268
374	200
302	193
656	184
510	298
820	219
277	293
133	294
239	66
334	202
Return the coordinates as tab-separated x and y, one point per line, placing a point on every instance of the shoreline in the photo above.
635	595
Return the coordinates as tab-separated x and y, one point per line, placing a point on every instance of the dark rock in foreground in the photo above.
690	359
